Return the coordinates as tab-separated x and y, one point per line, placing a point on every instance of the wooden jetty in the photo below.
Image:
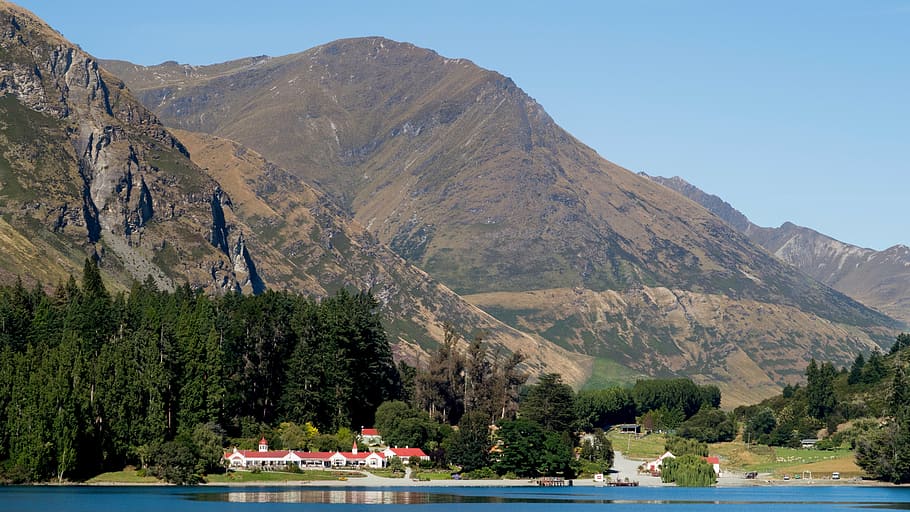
553	481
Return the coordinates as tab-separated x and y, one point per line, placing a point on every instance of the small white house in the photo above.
370	436
654	466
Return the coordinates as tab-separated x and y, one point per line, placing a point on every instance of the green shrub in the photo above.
485	473
688	471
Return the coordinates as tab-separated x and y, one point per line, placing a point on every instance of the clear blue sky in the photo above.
789	110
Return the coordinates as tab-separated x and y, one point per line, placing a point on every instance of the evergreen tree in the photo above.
551	404
522	444
901	342
470	446
821	400
856	370
874	370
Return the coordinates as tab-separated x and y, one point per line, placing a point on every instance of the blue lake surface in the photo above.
448	499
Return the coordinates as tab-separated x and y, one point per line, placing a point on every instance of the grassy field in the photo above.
424	474
387	473
127	476
739	457
647	447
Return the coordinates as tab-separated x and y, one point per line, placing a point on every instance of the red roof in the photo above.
370	432
712	460
256	454
408	452
315	455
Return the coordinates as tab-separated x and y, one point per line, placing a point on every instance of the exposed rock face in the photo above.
244	266
879	279
97	168
219	233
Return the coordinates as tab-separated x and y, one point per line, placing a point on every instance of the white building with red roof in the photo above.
370	436
263	458
715	463
405	453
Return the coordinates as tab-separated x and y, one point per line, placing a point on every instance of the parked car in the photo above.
835	476
752	475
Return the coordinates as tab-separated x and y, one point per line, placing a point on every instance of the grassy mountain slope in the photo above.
879	279
462	173
306	227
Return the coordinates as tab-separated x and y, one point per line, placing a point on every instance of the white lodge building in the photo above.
263	458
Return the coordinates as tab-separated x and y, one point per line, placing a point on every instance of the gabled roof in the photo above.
370	432
256	454
408	452
712	460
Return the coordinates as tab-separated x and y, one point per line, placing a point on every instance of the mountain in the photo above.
87	171
306	227
460	172
878	279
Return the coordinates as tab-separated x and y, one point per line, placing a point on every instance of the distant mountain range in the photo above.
439	185
879	279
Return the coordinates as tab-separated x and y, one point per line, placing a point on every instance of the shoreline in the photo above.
622	469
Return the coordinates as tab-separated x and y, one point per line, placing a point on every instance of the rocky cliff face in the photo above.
90	164
879	279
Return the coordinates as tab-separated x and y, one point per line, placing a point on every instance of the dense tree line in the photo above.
885	452
871	394
91	381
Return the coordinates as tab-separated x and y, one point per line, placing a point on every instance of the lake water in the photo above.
448	499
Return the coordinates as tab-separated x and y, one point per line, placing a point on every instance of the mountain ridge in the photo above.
880	279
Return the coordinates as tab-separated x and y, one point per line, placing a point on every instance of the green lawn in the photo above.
794	460
433	474
647	447
387	473
128	476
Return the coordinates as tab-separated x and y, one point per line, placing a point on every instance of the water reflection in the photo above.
800	501
357	497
